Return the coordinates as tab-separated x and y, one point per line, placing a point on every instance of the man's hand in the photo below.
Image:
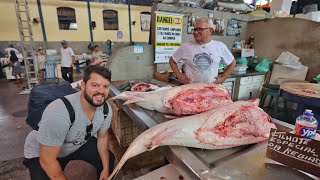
219	80
104	174
183	78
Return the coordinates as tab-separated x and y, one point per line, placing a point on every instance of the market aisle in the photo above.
13	127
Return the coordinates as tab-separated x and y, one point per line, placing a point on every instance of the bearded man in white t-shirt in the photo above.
67	61
202	56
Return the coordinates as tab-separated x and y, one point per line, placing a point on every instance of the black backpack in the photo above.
42	95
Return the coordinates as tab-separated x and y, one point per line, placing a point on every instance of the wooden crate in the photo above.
123	127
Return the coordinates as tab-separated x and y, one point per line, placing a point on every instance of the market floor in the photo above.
13	128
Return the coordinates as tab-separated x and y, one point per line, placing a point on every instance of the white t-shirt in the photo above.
66	57
11	49
202	61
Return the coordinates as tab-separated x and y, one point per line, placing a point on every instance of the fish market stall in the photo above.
243	162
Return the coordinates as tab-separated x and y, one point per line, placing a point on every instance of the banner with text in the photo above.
294	151
168	36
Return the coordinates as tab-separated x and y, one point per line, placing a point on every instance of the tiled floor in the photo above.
13	112
13	131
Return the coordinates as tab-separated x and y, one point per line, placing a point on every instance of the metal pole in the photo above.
42	22
130	33
90	25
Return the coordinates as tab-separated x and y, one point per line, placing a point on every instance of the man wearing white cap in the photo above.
67	61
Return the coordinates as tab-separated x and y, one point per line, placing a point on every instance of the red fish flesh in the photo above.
143	87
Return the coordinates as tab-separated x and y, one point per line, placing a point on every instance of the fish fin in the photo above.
161	136
132	100
169	116
122	96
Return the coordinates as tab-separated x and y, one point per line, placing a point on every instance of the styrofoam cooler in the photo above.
281	5
58	71
239	70
50	70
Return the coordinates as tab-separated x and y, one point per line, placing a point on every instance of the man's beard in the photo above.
90	100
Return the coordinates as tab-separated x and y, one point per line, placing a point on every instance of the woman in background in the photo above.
96	53
98	57
41	61
16	67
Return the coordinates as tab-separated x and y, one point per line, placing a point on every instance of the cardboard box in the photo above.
164	77
281	6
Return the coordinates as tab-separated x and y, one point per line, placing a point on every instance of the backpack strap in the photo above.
72	113
70	110
105	110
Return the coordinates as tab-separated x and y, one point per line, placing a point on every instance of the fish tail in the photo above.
132	100
122	96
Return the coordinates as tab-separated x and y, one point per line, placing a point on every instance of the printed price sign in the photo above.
294	151
168	36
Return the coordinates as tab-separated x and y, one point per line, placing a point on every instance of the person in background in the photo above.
96	53
98	57
48	150
16	66
11	48
202	56
41	61
67	61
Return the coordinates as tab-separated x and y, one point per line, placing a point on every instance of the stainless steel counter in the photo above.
248	73
244	162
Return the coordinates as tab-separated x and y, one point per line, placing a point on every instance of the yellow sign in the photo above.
169	20
168	36
168	44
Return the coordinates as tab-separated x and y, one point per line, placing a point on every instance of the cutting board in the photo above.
282	72
308	90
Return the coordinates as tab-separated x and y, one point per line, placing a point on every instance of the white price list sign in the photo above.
168	36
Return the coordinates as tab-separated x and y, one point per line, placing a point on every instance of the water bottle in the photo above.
255	61
306	125
251	41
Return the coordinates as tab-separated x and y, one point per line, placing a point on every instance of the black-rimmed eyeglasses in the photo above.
88	132
200	30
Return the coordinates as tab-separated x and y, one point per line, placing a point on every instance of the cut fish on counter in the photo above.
235	124
181	100
143	87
